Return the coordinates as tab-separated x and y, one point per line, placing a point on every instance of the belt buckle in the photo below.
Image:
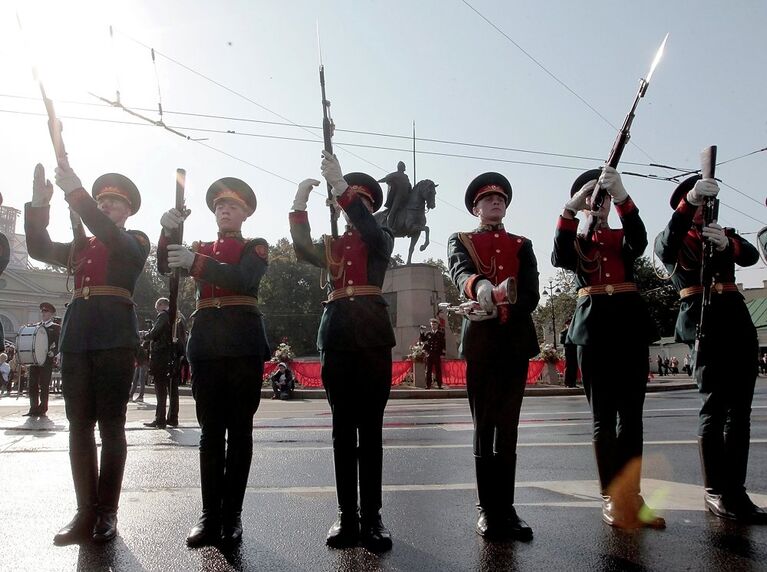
719	287
86	292
217	302
350	290
609	289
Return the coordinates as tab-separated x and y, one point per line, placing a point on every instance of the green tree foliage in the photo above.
291	299
560	302
660	295
152	285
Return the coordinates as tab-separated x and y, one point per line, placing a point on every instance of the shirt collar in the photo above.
489	227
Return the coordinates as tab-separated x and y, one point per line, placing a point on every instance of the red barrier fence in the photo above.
308	373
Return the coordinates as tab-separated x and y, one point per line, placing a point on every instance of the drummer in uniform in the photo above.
99	335
227	349
497	347
40	374
355	340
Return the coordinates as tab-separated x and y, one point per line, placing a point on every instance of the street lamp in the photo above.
551	292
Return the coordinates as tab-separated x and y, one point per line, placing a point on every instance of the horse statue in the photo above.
410	221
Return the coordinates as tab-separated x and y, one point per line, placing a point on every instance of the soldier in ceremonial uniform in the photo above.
726	374
227	348
612	328
99	335
40	375
434	343
160	358
355	340
497	347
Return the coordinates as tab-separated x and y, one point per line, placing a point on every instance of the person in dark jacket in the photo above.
497	347
433	342
725	367
227	348
612	328
282	382
160	362
99	335
355	340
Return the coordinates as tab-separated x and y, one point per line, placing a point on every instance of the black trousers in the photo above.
39	386
96	385
571	365
434	365
227	393
495	390
615	381
724	421
357	384
165	385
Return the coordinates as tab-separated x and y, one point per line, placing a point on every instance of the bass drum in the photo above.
32	345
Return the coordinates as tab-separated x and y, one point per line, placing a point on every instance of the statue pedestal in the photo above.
413	292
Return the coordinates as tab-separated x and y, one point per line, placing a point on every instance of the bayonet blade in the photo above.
656	60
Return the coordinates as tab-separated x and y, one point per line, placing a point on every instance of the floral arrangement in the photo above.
283	353
417	352
549	354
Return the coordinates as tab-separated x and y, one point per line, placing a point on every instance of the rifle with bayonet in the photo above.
327	135
176	237
599	193
707	277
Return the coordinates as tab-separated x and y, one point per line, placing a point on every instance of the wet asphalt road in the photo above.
428	494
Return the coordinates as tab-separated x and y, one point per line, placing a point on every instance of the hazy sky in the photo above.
389	63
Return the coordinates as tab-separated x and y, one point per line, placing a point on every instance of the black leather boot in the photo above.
208	528
85	479
736	499
345	531
711	460
505	478
489	523
238	459
114	451
373	534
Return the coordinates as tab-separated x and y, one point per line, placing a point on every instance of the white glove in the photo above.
302	194
172	219
180	257
702	189
331	170
479	317
66	179
715	235
610	181
579	200
485	295
42	189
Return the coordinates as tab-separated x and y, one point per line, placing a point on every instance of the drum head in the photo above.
32	345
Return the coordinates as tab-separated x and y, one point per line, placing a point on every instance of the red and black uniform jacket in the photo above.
680	248
622	317
500	255
228	266
359	257
112	257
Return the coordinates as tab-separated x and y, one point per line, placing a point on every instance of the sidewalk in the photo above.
656	384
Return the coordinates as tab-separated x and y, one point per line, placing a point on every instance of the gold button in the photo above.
601	244
348	248
599	231
496	235
607	274
89	261
348	262
87	278
351	282
500	268
498	250
519	240
221	240
348	234
604	258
